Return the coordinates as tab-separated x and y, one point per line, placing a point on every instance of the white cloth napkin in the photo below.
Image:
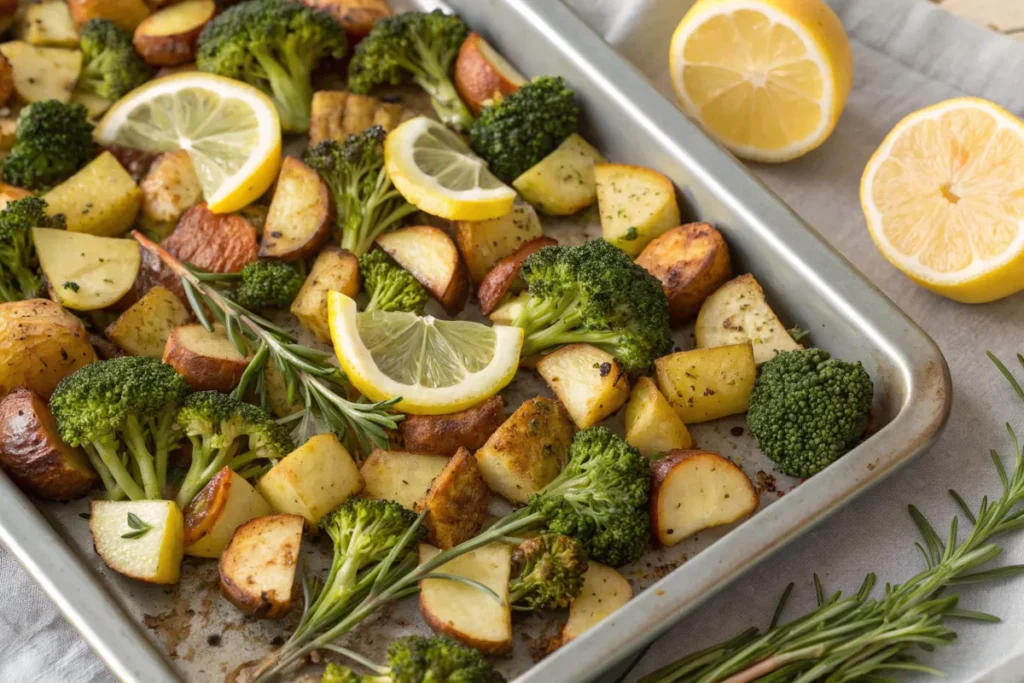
908	54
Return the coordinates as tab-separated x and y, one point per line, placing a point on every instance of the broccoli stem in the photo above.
204	466
136	442
433	78
163	431
292	92
359	237
114	491
120	474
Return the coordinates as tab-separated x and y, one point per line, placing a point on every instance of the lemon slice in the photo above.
436	366
229	129
767	78
436	171
944	199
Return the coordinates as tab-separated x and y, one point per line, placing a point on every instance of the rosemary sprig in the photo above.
308	372
859	637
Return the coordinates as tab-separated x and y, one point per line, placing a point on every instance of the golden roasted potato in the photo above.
86	272
226	502
430	255
484	243
482	75
10	193
301	215
207	360
604	591
357	17
706	384
153	556
101	199
528	450
40	344
336	114
562	183
168	36
652	426
217	243
95	106
48	23
692	261
446	434
169	189
257	569
127	14
34	455
503	278
589	382
636	205
143	329
335	269
42	73
399	476
456	503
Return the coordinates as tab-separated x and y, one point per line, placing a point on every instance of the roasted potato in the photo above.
484	243
589	382
706	384
150	553
226	502
10	193
42	73
257	569
217	243
604	591
336	114
135	161
430	255
127	14
33	454
207	360
48	23
636	205
86	272
562	183
446	434
101	199
528	450
154	273
168	36
357	17
143	329
169	189
504	277
95	106
482	75
301	215
40	344
399	476
652	426
738	312
8	126
335	269
692	261
456	503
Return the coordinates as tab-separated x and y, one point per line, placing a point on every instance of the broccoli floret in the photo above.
366	201
111	67
808	408
53	140
390	287
548	571
594	294
273	45
336	673
122	412
215	423
419	46
421	659
19	266
517	132
267	284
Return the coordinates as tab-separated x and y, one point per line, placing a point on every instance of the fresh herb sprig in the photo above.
308	372
138	527
859	637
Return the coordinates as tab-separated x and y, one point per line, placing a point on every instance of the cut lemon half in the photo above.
437	172
767	78
229	129
435	366
944	199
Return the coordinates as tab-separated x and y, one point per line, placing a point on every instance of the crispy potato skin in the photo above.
6	80
357	17
127	14
218	243
249	554
692	261
201	371
476	78
456	503
34	455
169	189
433	259
153	273
161	49
500	279
447	434
136	161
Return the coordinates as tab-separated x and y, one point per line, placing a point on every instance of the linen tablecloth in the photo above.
908	54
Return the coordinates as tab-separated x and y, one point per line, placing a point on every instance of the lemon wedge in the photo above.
435	366
229	129
437	172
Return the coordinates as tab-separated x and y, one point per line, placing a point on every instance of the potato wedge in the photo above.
737	312
695	490
101	199
33	454
49	24
8	125
86	272
482	75
218	243
589	382
312	480
446	434
40	344
95	106
456	504
207	360
168	36
562	183
169	189
149	551
257	569
42	73
706	384
335	269
692	261
604	591
484	243
528	450
430	255
301	216
636	205
652	426
336	114
504	277
226	502
399	476
10	193
143	329
127	14
463	612
357	17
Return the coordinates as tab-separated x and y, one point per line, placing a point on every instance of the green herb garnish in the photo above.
139	528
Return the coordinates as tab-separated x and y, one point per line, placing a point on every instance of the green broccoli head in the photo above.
19	266
123	410
422	659
594	294
390	287
367	203
267	284
111	67
53	141
807	409
273	45
336	673
520	130
600	497
548	571
419	46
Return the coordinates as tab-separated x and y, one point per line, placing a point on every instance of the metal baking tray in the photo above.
149	634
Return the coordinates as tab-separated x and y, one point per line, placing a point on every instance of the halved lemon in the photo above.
436	366
230	130
944	199
767	78
436	171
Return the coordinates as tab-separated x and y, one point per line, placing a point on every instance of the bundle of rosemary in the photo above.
860	637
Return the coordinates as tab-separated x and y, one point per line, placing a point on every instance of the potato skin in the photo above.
169	189
476	78
6	80
446	434
217	243
172	49
456	503
357	17
127	14
500	279
202	372
34	455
